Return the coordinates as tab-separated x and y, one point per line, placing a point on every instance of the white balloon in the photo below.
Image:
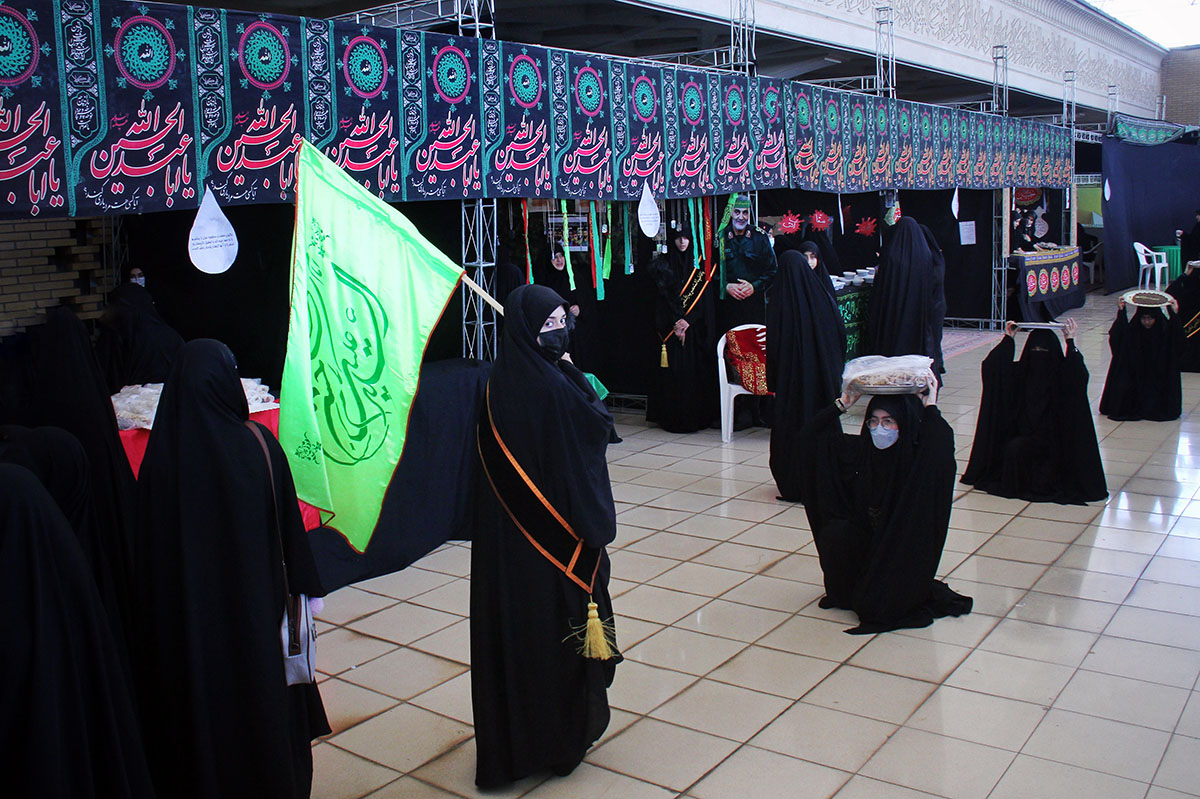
954	203
212	244
1107	190
649	217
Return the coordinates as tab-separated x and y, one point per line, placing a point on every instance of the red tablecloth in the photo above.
135	441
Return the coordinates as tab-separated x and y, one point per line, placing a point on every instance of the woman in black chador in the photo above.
69	731
879	506
806	350
545	514
1035	439
214	532
683	398
1143	377
908	303
135	345
1186	289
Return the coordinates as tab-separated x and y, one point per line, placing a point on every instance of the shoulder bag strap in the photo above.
293	618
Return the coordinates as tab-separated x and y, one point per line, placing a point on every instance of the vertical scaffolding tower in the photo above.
885	52
1000	202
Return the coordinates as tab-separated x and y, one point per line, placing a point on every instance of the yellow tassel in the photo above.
598	636
662	358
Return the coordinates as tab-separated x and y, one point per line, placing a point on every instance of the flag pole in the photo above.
476	288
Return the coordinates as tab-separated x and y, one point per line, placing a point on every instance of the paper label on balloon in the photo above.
212	244
649	218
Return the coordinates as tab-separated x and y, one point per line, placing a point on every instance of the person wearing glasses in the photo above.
878	504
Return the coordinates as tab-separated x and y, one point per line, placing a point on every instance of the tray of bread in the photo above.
877	374
1147	298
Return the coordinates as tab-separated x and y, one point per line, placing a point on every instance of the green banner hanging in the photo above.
721	235
627	234
566	240
607	231
594	231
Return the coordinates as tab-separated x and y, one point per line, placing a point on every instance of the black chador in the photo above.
1035	439
1143	377
219	717
806	346
544	515
879	516
135	345
1186	289
908	303
70	730
683	398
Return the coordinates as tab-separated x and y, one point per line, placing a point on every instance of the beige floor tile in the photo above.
830	737
660	605
590	782
1157	627
403	738
627	534
720	486
639	688
1034	778
638	567
866	788
1123	540
793	516
631	631
403	623
684	500
338	650
1135	520
721	709
455	772
885	697
938	764
981	718
1165	596
814	637
1165	665
1062	611
636	494
1123	699
1180	548
732	620
746	510
346	704
1110	747
775	536
747	473
801	568
978	500
1186	527
452	560
1157	792
452	698
740	557
659	479
1189	722
663	754
977	520
965	540
1010	676
653	518
697	578
405	584
1173	570
338	774
453	597
1075	514
1039	642
452	643
965	631
683	650
1043	530
994	571
1108	561
773	671
1026	550
1160	488
772	775
1092	585
703	525
990	600
919	658
771	592
671	545
408	788
642	460
349	603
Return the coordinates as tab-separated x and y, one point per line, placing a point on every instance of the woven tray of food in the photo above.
877	374
1144	298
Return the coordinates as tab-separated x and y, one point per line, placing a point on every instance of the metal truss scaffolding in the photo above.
885	52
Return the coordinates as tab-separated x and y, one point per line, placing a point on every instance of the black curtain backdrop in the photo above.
858	246
968	266
1150	192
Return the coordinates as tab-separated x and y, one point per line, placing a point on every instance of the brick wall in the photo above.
48	263
1181	85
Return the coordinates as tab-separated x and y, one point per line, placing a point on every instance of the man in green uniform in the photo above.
747	269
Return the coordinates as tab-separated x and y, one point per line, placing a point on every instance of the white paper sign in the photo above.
649	218
212	244
966	232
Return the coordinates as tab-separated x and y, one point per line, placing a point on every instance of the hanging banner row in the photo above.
114	107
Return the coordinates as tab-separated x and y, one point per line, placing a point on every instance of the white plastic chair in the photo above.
1151	261
727	390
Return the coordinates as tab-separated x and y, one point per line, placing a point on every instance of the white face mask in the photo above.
141	281
883	437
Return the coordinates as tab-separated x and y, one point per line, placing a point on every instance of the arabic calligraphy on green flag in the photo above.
367	290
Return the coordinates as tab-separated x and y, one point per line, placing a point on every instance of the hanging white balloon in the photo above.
212	244
649	217
1107	190
954	203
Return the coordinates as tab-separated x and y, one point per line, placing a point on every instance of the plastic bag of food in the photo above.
879	374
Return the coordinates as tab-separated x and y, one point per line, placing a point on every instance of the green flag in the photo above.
367	290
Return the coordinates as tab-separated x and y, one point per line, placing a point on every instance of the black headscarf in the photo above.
1034	438
69	729
1143	377
551	419
806	346
135	345
215	705
908	304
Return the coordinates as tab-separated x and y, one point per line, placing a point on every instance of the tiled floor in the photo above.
1076	676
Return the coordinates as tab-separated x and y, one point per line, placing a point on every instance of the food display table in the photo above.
1048	283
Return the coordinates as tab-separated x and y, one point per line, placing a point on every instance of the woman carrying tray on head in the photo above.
879	506
1035	439
1143	378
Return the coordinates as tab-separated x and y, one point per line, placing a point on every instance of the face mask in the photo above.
553	343
141	281
883	437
